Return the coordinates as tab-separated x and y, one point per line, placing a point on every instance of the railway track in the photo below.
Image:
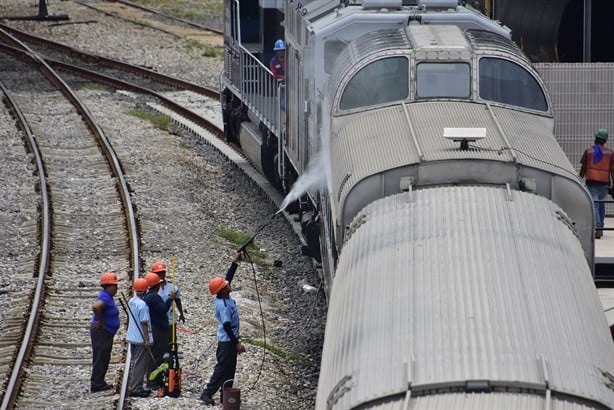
42	345
173	19
91	71
170	91
158	20
87	226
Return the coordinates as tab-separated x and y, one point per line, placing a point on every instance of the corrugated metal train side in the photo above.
442	295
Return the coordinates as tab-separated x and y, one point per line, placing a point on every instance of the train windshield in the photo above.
508	83
443	80
379	82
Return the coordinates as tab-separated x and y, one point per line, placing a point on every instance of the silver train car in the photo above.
455	237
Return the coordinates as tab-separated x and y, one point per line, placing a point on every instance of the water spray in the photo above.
311	178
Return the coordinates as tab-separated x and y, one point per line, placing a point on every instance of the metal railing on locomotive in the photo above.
606	201
255	85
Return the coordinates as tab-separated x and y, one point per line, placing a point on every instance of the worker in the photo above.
278	62
229	345
598	169
104	325
166	287
158	314
140	337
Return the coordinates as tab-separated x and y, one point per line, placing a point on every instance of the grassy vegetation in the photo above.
238	239
207	51
193	10
217	52
95	87
159	121
277	351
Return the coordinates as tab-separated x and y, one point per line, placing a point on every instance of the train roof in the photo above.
416	132
325	17
465	306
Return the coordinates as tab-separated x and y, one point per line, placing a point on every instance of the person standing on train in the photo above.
229	344
140	337
278	62
158	313
166	288
598	169
104	325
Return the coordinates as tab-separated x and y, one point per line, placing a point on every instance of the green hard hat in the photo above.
602	134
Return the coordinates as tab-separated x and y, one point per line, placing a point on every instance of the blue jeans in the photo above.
598	192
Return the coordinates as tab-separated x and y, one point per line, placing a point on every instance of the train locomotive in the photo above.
455	237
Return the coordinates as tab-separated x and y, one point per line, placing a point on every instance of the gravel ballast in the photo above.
186	193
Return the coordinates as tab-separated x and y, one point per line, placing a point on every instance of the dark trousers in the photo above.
102	343
160	346
224	370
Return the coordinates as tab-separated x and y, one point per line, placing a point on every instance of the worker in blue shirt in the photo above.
158	313
229	344
104	325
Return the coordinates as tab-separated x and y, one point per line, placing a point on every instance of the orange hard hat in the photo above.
109	278
140	285
158	267
217	284
152	279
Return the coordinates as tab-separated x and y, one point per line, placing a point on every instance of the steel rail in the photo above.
43	257
122	187
111	63
167	16
120	84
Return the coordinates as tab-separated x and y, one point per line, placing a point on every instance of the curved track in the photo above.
82	173
170	91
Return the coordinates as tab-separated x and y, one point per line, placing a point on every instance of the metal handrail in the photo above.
604	201
259	90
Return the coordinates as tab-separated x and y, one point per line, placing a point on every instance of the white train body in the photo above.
456	238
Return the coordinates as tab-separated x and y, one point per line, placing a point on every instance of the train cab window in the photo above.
508	83
379	82
441	80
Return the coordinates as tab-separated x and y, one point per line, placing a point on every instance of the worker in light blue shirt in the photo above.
228	343
140	337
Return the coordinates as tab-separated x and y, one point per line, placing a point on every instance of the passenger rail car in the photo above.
455	237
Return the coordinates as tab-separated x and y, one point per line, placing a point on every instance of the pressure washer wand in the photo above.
251	239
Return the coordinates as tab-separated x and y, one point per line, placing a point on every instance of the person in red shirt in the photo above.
597	168
278	62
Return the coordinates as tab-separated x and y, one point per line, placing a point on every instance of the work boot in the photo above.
141	393
105	387
207	400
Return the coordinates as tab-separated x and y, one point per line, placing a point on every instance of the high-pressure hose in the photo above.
243	249
251	239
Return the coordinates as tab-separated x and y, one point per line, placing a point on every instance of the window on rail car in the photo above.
447	80
379	82
508	83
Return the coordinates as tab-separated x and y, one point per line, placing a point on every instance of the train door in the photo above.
242	24
291	138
